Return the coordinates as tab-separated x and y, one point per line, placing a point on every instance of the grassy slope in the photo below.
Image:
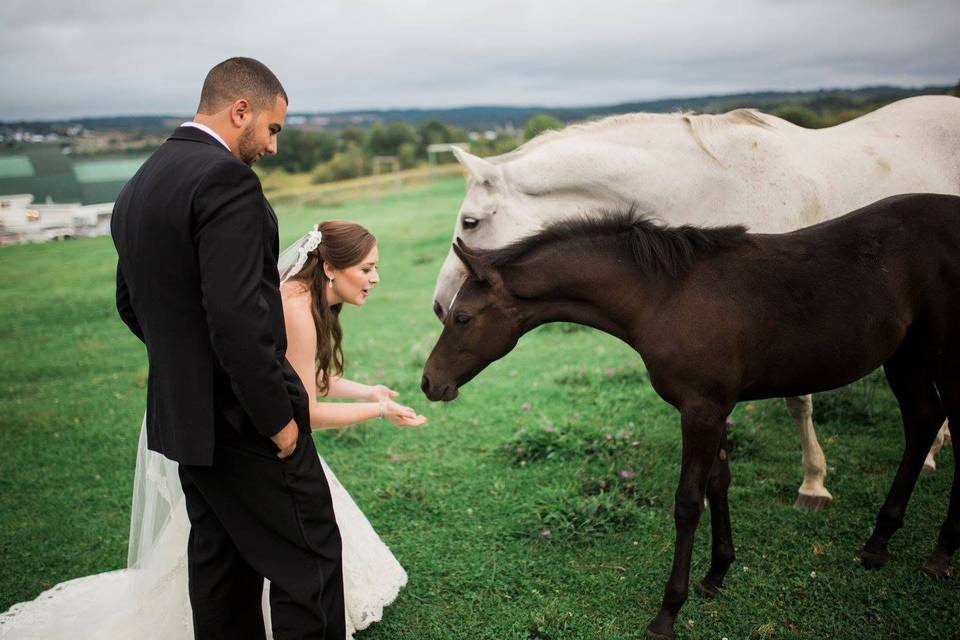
464	501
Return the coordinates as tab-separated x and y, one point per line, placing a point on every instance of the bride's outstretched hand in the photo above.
382	393
402	416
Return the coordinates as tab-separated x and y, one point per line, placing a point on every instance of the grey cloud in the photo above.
110	56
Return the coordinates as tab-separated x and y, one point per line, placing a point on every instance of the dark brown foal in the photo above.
719	316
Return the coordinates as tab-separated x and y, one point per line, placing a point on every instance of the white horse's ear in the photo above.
481	170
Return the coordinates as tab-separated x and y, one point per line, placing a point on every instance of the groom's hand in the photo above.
286	439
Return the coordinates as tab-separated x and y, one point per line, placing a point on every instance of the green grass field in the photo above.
564	435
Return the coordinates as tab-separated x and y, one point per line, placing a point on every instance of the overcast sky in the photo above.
105	57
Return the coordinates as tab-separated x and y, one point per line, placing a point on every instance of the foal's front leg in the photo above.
702	425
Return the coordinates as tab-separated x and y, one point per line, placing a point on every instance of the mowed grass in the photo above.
535	506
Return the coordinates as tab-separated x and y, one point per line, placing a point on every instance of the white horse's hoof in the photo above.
807	502
929	468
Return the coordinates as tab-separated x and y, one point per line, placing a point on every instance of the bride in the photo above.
334	263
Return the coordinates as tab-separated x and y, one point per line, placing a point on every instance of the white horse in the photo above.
742	167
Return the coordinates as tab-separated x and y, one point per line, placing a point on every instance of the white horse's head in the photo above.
515	194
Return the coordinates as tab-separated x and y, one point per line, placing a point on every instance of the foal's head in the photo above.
482	325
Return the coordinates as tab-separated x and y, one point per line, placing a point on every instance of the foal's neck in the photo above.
586	283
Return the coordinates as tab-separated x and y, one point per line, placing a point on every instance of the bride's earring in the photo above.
330	283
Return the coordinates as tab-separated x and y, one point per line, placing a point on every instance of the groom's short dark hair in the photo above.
237	78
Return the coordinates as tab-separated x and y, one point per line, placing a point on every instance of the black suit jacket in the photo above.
197	282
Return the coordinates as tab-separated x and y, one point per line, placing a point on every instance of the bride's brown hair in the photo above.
343	244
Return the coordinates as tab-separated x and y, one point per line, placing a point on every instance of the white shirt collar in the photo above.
208	131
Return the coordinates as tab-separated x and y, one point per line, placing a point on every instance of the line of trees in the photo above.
350	152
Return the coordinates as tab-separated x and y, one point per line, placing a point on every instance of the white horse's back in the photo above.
777	176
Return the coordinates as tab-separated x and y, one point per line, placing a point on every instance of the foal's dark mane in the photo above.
655	247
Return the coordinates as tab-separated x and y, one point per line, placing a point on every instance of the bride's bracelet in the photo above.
382	406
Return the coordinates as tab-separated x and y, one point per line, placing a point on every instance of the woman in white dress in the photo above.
333	264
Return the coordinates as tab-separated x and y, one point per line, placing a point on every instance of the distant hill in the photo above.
494	116
490	117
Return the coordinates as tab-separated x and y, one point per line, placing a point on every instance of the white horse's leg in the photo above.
943	437
813	495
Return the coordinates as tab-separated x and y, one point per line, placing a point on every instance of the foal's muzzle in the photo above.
436	392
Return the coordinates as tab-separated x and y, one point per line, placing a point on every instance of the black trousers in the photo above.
252	516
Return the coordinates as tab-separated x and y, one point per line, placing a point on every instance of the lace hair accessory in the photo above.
295	256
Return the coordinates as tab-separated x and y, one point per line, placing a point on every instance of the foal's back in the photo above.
822	306
906	244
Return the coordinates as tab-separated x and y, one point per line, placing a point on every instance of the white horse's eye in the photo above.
470	223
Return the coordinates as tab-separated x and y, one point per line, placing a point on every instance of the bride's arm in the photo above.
342	388
301	352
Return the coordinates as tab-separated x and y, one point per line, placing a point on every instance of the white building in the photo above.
23	221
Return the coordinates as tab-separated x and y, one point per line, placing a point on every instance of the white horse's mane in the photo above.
700	126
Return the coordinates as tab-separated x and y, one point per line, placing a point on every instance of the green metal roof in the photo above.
106	170
15	167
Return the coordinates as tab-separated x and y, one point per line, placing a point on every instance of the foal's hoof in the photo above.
874	559
929	468
938	567
708	588
661	627
808	502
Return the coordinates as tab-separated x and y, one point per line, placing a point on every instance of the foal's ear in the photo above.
476	265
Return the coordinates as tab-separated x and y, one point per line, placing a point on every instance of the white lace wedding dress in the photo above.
149	600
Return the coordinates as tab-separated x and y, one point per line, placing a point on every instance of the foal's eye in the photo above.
470	223
461	318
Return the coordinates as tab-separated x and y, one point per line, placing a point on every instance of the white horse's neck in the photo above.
671	166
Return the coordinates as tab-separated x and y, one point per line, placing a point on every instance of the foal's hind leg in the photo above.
812	495
922	415
721	549
938	564
930	464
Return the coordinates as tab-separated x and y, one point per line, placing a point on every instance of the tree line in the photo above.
350	152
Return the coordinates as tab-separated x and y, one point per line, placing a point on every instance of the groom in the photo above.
197	282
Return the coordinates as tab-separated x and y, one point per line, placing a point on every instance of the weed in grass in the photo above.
353	436
577	377
744	441
532	444
629	377
562	327
576	517
861	403
550	624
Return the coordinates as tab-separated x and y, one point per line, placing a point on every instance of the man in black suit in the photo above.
197	282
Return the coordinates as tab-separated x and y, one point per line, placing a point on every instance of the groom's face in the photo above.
260	136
